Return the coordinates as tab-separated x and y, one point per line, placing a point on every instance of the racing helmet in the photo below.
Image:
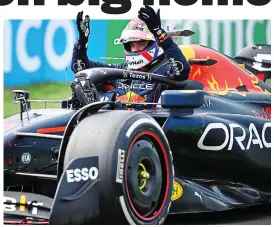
137	30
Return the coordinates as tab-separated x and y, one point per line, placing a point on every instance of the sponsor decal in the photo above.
207	103
130	75
103	71
266	113
100	70
10	204
26	158
78	66
104	98
177	191
135	62
176	66
161	222
162	36
151	52
84	174
159	32
125	74
130	97
143	86
199	196
255	138
120	166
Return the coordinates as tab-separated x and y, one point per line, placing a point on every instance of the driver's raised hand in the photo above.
153	22
83	27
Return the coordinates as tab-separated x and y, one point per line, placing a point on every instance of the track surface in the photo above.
260	215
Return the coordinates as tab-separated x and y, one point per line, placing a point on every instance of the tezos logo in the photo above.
125	74
84	174
137	76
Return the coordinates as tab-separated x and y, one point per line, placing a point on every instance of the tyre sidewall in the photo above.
132	128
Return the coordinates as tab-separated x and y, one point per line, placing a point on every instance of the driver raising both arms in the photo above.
144	42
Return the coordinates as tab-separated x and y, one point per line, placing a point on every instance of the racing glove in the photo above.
83	27
153	22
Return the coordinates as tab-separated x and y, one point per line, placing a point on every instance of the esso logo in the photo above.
84	174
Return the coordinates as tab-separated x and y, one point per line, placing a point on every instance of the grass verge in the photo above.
52	91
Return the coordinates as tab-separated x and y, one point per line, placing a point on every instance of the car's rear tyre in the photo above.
135	165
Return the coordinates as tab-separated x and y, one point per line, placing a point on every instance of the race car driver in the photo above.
144	40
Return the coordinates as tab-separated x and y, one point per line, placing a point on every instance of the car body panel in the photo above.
221	147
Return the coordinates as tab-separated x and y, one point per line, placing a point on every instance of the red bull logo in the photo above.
130	96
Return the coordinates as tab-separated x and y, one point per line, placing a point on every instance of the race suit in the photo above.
135	91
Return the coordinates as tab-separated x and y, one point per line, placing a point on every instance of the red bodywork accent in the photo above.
261	76
51	130
108	87
224	76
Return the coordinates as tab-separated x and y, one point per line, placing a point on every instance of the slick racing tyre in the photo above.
135	165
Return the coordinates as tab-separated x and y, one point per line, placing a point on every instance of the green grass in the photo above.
50	91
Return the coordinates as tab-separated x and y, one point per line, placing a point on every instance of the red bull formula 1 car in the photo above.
205	147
